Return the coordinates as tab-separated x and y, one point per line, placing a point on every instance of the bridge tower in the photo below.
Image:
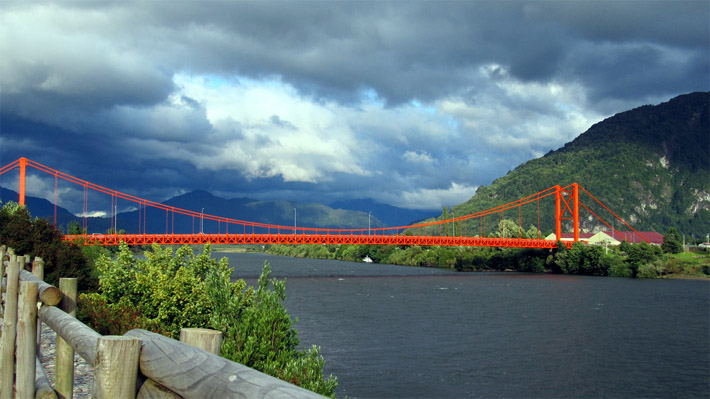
23	170
567	208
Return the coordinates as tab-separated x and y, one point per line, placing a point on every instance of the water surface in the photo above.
403	332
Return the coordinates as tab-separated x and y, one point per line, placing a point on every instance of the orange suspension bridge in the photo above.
467	230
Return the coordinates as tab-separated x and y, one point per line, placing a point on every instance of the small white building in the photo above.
584	237
612	238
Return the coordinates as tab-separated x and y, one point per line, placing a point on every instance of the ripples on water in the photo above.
401	332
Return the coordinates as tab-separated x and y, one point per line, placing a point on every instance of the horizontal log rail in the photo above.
48	294
139	364
78	335
195	373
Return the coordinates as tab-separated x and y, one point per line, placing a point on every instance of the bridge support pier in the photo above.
564	205
558	213
575	214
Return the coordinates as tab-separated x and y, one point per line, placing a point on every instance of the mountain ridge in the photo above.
650	164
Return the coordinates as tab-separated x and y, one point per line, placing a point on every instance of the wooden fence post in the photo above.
116	367
26	340
2	274
8	329
203	338
38	268
64	376
48	294
38	271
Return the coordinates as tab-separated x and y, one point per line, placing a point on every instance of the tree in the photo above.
37	237
509	229
671	242
638	255
73	228
557	260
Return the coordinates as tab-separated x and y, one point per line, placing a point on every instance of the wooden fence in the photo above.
140	364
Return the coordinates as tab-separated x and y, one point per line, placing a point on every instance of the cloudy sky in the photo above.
411	103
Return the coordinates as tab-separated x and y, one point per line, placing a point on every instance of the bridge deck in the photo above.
181	239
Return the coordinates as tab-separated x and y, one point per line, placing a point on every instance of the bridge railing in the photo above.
140	364
261	239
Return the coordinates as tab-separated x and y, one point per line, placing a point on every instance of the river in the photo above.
404	332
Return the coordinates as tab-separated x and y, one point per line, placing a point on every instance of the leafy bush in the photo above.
168	291
263	338
616	266
111	319
584	259
638	255
648	270
528	262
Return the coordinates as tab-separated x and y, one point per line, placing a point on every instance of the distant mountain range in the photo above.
390	215
343	214
650	165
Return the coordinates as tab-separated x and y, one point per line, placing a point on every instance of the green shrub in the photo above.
168	291
263	338
111	319
648	270
638	255
616	267
620	269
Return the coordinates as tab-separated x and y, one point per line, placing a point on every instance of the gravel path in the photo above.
83	372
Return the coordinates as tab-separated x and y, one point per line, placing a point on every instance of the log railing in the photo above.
138	365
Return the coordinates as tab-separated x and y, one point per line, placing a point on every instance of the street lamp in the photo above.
294	221
201	219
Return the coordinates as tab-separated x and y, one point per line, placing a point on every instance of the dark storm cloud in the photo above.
406	50
403	50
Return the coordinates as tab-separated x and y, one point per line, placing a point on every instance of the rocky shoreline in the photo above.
83	372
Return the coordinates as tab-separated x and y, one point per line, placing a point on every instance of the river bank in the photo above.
627	260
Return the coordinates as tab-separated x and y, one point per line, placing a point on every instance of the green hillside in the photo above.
650	165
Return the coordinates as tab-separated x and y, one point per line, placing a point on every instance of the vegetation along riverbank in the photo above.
626	260
168	289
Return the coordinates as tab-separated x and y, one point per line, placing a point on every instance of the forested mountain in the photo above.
650	165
